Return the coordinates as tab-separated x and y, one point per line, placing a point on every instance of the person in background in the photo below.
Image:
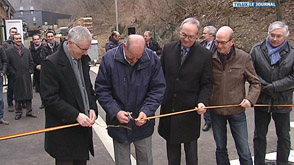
273	60
6	45
44	41
3	66
20	66
151	43
231	68
130	84
113	41
209	43
36	49
69	98
187	67
51	45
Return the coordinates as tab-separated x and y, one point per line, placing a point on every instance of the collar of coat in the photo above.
141	63
283	51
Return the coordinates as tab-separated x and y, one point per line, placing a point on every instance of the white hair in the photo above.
278	25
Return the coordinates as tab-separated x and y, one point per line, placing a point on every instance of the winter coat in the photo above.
36	55
187	85
111	44
153	45
212	46
281	75
3	60
140	88
46	51
21	67
63	102
229	83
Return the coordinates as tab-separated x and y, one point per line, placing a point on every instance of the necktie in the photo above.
183	55
208	46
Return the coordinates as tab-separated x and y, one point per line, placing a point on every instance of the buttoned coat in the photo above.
135	89
21	67
187	85
62	99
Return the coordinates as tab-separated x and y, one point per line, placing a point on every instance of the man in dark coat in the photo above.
36	49
68	97
273	60
6	45
51	45
209	43
20	66
130	82
3	66
113	41
151	43
187	67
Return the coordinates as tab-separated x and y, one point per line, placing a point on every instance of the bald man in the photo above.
130	86
231	68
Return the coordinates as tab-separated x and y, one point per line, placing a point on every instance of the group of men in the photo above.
133	82
18	63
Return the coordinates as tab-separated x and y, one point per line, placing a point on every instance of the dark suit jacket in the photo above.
212	46
187	85
62	99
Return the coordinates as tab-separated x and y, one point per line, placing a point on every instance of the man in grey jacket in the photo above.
274	64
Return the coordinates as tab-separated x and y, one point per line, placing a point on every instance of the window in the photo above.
34	19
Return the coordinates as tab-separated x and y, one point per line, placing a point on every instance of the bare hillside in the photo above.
163	16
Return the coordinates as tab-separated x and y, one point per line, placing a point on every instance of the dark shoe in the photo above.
42	106
10	109
17	117
31	115
269	162
206	127
2	121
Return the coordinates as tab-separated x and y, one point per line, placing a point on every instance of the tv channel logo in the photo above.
254	4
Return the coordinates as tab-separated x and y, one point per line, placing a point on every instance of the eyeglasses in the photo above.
222	42
81	48
187	36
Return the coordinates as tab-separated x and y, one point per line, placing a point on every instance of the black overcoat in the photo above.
62	99
187	85
21	67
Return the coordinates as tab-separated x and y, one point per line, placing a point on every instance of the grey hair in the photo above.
79	33
191	20
211	30
149	33
278	25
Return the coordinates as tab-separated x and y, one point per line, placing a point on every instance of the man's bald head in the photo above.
134	48
136	41
224	40
226	31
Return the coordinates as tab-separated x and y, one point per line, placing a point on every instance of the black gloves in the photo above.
270	90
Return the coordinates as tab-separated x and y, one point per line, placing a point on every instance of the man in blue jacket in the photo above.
130	84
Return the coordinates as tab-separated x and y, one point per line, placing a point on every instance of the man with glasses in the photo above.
130	84
187	67
232	67
273	60
68	97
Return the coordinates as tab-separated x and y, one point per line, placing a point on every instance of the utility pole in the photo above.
116	16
